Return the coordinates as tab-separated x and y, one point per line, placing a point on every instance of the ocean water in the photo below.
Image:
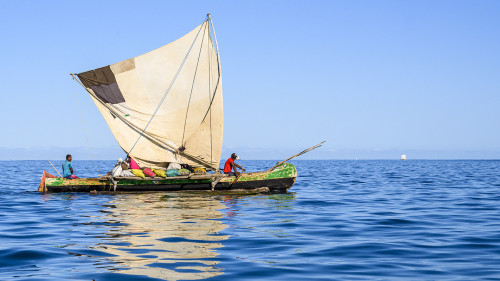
342	220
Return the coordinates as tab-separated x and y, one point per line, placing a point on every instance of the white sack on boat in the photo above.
127	173
174	166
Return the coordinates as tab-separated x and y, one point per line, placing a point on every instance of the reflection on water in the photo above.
166	237
349	220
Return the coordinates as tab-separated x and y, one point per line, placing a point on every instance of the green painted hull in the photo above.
279	179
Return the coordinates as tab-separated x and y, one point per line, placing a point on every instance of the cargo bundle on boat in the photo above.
163	107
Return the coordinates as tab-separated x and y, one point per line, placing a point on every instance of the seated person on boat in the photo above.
133	165
230	165
68	169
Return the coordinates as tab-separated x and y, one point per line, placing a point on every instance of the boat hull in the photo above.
279	179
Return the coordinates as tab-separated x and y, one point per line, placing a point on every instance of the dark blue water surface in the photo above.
342	220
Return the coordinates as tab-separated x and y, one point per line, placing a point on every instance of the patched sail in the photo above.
178	89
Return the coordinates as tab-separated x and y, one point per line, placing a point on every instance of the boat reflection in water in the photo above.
167	237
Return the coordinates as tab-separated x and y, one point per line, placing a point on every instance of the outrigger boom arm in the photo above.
298	154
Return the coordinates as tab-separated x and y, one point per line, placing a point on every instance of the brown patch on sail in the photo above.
123	66
103	82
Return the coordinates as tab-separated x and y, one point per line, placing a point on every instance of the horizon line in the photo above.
346	159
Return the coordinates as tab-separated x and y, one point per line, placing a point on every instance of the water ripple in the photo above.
342	220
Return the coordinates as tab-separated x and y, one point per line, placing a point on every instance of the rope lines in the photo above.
85	130
209	96
116	112
192	87
156	139
218	68
152	138
166	93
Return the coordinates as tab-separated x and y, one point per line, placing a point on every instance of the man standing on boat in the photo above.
230	165
68	169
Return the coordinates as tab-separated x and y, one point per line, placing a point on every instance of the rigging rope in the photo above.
166	93
143	132
209	91
116	112
218	67
151	138
212	98
84	130
192	87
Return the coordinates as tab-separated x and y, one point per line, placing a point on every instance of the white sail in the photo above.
184	77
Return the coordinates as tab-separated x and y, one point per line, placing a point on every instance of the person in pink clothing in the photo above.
132	163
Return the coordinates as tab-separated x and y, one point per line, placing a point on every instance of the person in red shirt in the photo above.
230	165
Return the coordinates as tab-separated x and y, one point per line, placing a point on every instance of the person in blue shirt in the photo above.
68	169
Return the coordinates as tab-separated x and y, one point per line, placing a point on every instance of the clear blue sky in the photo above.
373	78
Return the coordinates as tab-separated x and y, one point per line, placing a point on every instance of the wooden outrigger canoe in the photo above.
128	96
278	179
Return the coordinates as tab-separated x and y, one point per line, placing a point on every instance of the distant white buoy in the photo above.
403	157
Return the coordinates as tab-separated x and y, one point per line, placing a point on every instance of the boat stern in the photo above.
43	187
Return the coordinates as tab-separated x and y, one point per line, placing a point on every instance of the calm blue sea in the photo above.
342	220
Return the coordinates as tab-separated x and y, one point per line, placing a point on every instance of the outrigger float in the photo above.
163	107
